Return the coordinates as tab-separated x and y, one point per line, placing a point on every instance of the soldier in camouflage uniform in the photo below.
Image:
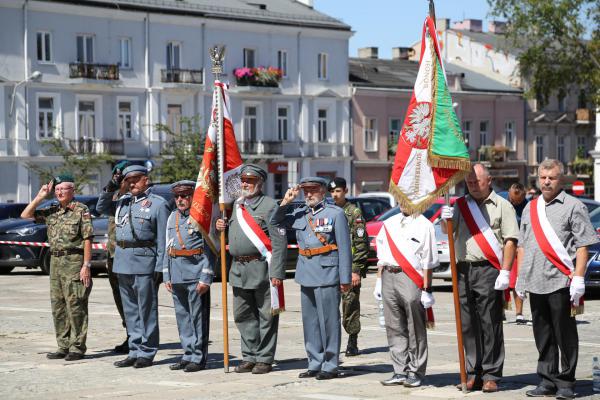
70	235
360	250
117	172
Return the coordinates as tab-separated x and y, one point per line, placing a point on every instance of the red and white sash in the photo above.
263	244
547	239
481	231
410	266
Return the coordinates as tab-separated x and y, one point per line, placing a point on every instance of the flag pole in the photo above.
450	230
217	54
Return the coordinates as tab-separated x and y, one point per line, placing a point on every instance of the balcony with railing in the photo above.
178	75
96	146
108	72
263	148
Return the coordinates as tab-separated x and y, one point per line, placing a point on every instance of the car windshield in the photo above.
595	218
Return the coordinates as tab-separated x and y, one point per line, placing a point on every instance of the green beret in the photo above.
62	178
120	166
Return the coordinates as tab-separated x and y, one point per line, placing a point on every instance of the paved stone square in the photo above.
26	335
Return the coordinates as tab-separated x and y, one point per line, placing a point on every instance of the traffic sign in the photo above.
578	188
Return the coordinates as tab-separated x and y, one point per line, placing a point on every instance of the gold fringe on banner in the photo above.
576	310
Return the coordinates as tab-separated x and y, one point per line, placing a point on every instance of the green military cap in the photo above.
62	178
120	166
254	170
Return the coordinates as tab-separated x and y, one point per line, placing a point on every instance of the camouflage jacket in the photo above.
359	237
68	227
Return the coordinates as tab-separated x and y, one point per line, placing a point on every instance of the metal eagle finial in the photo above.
217	54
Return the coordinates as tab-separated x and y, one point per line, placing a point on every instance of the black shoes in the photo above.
308	374
142	363
565	393
193	367
128	362
73	356
352	347
245	366
323	375
178	365
541	391
56	355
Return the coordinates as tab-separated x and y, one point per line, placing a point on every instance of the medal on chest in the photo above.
323	225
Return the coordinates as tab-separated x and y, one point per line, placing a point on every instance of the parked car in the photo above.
387	196
592	274
11	210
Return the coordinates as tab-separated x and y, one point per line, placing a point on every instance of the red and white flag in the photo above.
262	242
205	209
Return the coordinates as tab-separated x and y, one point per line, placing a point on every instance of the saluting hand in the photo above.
290	195
45	191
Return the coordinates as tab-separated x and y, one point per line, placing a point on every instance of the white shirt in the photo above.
414	234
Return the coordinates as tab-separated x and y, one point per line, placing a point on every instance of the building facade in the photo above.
112	70
492	116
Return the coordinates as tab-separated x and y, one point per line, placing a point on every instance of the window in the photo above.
581	146
322	65
46	117
322	125
483	132
86	116
125	120
282	62
278	186
173	55
539	149
283	123
467	132
249	58
85	49
250	124
562	102
560	148
510	136
370	134
125	51
174	118
395	128
44	47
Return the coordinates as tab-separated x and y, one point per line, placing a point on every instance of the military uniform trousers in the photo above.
481	315
258	327
322	327
69	302
193	316
351	310
113	280
405	323
140	305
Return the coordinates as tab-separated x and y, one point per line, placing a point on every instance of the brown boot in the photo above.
472	384
245	366
262	368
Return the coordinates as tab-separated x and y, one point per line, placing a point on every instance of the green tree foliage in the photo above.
182	152
81	165
557	44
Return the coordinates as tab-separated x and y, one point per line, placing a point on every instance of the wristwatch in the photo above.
428	290
87	264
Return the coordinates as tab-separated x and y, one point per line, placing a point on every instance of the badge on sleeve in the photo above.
360	232
281	231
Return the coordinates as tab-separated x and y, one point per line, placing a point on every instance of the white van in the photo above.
381	195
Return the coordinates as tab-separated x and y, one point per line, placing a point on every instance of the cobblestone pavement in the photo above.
26	335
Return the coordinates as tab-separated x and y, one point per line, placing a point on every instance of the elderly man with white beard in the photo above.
254	269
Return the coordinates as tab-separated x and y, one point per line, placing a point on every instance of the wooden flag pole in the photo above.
454	272
216	55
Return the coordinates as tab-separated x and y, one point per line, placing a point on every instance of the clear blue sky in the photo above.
395	23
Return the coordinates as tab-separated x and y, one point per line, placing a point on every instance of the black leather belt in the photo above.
124	244
474	263
65	252
247	258
392	268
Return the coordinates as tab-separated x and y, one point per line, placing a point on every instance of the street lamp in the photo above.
35	76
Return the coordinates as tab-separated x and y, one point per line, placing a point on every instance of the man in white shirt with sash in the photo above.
555	234
407	253
485	234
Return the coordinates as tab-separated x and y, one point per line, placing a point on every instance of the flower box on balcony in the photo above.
261	76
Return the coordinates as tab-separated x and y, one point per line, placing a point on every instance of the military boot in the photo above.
352	347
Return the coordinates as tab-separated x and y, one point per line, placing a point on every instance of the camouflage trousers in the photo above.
351	311
69	300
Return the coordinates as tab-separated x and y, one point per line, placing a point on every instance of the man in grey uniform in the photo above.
141	220
324	268
250	274
188	273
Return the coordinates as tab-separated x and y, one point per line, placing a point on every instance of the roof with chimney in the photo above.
280	12
401	74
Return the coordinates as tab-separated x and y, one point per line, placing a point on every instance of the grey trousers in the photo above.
257	326
322	326
193	316
140	304
405	323
481	315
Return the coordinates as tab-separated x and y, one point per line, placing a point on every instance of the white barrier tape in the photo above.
97	246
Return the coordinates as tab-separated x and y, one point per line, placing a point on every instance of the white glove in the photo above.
427	299
502	280
447	212
577	289
377	290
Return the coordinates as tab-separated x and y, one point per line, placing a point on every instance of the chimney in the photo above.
473	25
402	53
368	52
497	27
307	3
442	24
